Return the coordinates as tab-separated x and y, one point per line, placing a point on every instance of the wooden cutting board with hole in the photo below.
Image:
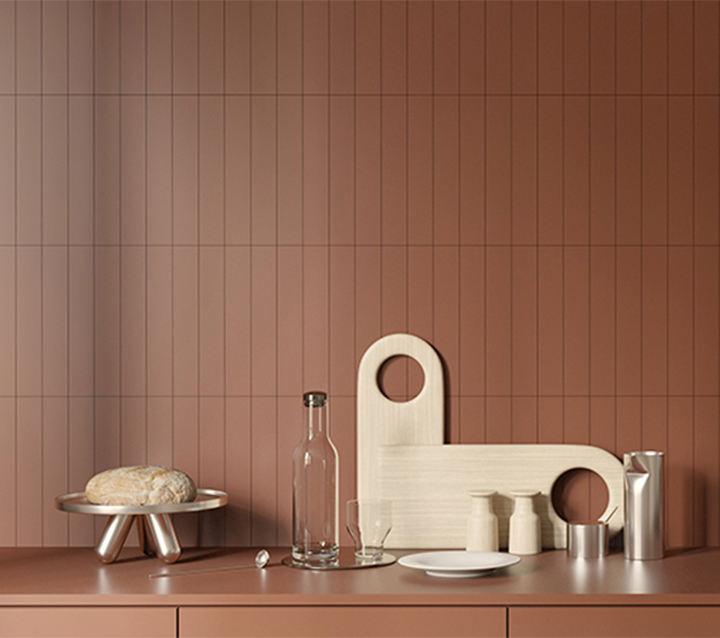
401	456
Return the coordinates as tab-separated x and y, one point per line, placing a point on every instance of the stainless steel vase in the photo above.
643	534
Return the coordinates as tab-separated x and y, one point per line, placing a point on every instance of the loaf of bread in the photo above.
140	485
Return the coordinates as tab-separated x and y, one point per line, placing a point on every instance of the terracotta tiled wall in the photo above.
208	207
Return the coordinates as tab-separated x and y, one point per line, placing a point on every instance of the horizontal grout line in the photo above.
352	396
342	245
356	95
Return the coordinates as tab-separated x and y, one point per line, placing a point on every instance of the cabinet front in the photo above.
342	622
82	622
614	622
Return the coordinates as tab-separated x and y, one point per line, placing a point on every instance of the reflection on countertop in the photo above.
74	576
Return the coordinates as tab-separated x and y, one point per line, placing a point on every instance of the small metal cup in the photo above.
587	540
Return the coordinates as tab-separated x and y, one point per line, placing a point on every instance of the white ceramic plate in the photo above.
458	564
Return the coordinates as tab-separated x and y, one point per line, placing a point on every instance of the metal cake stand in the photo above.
155	528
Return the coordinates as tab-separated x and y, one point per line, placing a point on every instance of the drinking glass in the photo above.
369	522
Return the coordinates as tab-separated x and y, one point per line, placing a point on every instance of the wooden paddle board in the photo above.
401	456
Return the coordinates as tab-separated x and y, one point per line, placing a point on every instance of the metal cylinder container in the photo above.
587	540
643	535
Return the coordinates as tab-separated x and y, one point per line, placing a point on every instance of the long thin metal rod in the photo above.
201	571
262	558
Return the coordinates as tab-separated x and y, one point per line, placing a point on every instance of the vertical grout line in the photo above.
512	237
67	260
485	224
432	110
277	277
198	241
590	245
459	233
564	398
615	237
120	237
251	517
15	251
537	221
147	261
718	240
407	186
382	183
694	240
42	272
642	229
328	194
224	258
354	240
667	275
302	187
172	230
94	235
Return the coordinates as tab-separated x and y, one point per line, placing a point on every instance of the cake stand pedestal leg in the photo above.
164	537
113	537
144	536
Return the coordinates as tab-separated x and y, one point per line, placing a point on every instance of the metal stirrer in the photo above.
605	519
261	559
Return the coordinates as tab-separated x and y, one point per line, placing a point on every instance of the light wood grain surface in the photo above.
401	457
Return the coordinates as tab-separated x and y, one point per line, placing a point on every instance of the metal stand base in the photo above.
155	532
155	529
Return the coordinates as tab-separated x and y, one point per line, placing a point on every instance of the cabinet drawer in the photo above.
614	622
342	622
81	622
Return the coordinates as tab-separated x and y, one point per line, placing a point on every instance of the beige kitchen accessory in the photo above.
401	457
155	528
525	531
482	535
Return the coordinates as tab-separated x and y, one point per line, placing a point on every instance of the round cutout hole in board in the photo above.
400	378
580	495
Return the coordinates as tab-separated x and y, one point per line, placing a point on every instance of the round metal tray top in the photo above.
346	560
77	502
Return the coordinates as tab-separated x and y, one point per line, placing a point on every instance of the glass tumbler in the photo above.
369	522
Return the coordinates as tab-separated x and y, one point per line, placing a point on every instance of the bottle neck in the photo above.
482	505
316	421
524	504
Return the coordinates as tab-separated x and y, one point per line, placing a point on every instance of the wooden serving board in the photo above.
401	457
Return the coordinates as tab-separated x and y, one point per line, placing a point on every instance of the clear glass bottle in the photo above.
315	487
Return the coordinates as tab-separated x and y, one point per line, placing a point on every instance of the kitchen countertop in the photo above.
64	576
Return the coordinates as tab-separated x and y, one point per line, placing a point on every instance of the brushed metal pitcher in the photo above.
643	535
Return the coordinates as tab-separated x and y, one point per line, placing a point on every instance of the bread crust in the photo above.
140	485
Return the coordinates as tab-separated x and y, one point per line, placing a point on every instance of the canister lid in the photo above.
315	399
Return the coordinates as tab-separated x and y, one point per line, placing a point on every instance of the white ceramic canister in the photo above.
525	536
482	531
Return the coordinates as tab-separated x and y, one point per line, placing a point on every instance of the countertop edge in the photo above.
263	600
